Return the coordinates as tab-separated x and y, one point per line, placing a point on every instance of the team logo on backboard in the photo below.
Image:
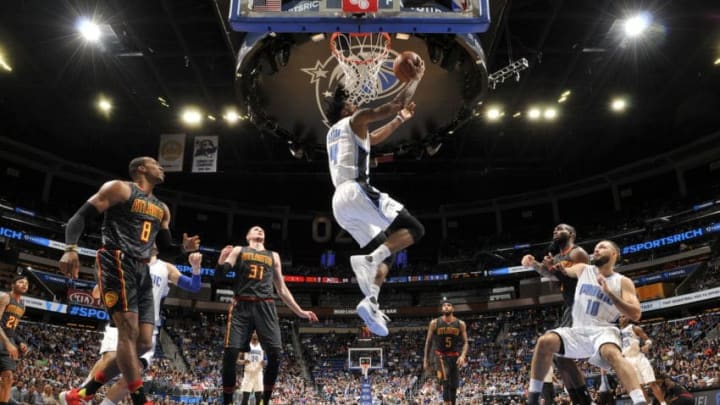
110	298
326	75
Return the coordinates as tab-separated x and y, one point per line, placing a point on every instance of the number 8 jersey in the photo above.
592	306
132	226
254	273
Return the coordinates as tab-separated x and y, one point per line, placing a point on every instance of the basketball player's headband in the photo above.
446	301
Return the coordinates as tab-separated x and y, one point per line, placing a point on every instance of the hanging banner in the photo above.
205	153
172	150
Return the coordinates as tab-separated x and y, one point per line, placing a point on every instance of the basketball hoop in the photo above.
365	363
361	56
364	369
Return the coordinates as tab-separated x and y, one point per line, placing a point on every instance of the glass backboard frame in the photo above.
356	353
390	18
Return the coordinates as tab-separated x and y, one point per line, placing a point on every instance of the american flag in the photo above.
267	5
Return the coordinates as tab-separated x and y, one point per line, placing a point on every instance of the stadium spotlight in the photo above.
717	62
550	113
564	96
192	116
104	105
494	113
231	116
4	65
318	37
89	30
534	114
636	25
618	104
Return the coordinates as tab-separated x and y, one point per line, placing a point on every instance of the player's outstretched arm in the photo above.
462	359
284	293
111	193
386	130
428	344
364	117
191	284
169	249
529	261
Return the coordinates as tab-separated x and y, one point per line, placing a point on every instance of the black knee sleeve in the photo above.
229	368
272	368
405	220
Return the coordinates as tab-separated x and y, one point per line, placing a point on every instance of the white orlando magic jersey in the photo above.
348	154
592	306
159	276
630	342
254	356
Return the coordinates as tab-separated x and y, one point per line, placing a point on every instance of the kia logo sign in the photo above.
81	298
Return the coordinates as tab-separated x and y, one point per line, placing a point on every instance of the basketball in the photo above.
407	65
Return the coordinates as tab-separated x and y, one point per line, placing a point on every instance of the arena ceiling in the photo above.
183	52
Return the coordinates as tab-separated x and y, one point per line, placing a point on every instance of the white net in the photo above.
365	363
361	56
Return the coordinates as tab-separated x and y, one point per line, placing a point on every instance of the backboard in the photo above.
357	355
393	16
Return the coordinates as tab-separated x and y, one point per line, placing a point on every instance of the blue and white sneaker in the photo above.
374	318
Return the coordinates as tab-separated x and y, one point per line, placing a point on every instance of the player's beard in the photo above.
447	313
599	261
559	243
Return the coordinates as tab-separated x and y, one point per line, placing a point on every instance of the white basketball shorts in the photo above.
252	381
585	342
363	211
643	368
110	340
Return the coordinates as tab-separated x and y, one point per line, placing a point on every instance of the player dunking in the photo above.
375	220
563	254
134	219
162	274
253	309
447	332
11	310
601	296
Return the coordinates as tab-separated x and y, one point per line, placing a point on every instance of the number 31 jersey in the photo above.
254	273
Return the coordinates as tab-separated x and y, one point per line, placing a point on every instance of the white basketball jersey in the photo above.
630	342
592	306
254	356
159	276
348	154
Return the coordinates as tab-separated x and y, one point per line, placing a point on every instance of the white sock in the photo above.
380	254
535	385
106	401
374	291
637	396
